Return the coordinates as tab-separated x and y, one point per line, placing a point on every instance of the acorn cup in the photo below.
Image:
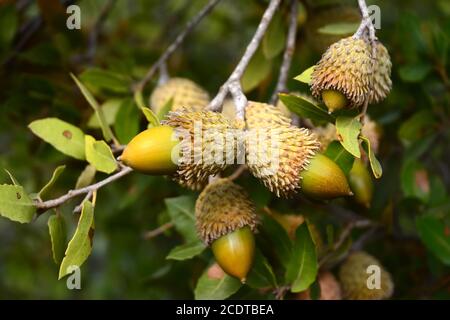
354	276
361	183
322	179
184	92
186	146
226	220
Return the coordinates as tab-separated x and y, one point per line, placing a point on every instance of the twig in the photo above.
49	204
80	206
288	53
156	232
232	85
366	23
163	73
176	43
236	174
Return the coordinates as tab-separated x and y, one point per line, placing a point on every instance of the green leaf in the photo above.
186	251
434	234
127	121
278	239
414	73
99	154
80	246
65	137
340	156
109	109
181	210
302	269
215	289
57	231
15	204
257	71
46	189
416	127
348	130
105	79
305	76
304	108
106	130
86	177
13	179
151	117
165	109
339	29
374	163
275	37
261	275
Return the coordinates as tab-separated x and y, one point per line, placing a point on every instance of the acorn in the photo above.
184	92
226	220
203	147
382	83
360	181
353	275
342	77
330	289
323	179
289	222
154	151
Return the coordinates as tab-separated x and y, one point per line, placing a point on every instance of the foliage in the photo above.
81	108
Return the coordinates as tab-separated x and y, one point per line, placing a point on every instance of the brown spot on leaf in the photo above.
67	134
18	195
91	236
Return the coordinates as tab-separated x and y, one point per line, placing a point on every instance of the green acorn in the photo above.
184	92
185	146
323	179
360	181
226	220
353	275
343	76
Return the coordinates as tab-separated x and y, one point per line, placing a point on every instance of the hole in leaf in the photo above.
18	195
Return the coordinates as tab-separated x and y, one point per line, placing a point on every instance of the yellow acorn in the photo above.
345	68
153	151
382	83
323	179
354	276
184	92
330	288
360	181
226	220
289	222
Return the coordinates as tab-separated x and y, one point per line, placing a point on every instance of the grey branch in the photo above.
233	85
176	43
366	23
156	232
288	53
49	204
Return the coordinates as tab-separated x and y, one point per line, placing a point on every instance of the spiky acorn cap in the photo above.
205	147
346	67
382	83
184	92
263	115
353	276
325	135
221	208
277	155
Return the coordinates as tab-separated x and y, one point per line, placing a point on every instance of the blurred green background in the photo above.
35	84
